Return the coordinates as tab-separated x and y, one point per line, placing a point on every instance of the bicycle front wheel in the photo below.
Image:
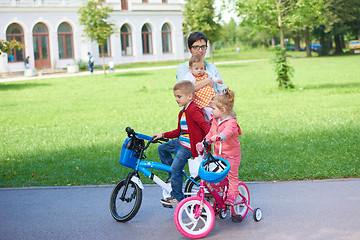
124	209
187	223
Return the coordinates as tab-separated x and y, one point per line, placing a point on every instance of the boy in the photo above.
192	128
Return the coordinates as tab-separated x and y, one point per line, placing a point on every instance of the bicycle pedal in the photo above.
236	218
167	206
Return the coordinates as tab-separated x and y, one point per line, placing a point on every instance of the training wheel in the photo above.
257	215
223	213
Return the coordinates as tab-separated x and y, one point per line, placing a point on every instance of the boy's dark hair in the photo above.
186	86
195	59
196	36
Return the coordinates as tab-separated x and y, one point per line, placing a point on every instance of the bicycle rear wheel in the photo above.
125	209
191	189
244	196
187	224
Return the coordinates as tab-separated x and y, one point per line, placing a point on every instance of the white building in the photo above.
147	30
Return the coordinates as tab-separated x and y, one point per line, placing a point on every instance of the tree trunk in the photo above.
307	42
329	42
211	53
338	48
297	42
273	41
342	40
103	58
324	50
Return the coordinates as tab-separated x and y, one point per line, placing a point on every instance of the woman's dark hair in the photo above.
196	36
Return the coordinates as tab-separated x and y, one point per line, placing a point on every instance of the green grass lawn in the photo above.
69	131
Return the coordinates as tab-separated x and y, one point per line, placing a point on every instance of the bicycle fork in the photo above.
134	177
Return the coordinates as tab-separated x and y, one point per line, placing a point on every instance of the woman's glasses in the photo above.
197	48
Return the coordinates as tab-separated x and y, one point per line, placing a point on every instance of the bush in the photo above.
82	64
283	70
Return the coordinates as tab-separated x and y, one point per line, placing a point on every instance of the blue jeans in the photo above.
177	164
91	67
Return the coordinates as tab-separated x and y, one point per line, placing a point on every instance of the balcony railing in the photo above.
133	5
40	3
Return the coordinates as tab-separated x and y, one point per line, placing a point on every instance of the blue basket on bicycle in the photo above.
130	152
214	169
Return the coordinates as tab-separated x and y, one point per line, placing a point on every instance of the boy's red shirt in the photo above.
197	125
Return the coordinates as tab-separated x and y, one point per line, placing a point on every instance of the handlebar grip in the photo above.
129	130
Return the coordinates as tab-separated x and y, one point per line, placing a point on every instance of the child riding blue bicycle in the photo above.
192	128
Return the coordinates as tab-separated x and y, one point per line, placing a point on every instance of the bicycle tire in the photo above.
125	210
191	189
242	209
186	223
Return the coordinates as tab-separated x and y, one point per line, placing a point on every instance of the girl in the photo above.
226	129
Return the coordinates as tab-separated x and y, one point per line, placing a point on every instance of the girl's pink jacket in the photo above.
230	145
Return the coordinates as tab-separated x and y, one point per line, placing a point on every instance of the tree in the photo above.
345	16
273	16
94	17
308	15
200	16
6	46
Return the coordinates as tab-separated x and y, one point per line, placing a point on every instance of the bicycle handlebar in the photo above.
132	133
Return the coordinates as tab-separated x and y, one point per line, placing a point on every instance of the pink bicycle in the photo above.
195	216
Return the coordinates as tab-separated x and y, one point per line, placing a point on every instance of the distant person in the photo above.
191	129
90	61
197	45
203	95
27	62
238	49
111	65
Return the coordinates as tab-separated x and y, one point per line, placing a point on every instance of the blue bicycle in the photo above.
126	197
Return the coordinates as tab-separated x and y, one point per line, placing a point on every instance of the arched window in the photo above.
146	39
41	46
125	38
15	32
65	41
166	38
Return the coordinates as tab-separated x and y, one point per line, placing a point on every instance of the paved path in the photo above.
57	75
326	209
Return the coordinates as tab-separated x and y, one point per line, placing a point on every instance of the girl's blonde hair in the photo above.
224	100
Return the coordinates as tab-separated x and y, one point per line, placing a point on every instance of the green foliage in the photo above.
82	64
200	16
94	17
283	70
6	46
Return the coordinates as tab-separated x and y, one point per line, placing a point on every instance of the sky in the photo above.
226	14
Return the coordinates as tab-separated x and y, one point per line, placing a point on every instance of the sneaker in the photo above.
229	200
167	206
169	201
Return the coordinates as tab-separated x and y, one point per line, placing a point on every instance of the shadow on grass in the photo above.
333	85
85	165
20	86
232	66
322	154
132	74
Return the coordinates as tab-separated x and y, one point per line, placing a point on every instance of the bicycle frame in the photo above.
144	166
219	200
